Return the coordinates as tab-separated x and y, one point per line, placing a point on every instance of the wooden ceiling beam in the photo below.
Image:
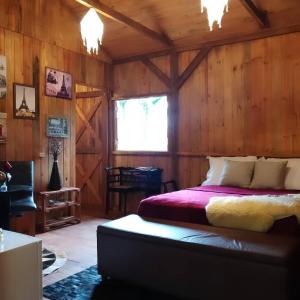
192	66
265	33
110	13
157	71
141	57
260	16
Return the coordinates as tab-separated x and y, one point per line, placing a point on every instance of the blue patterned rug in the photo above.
87	285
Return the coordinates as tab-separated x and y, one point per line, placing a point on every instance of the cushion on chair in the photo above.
23	205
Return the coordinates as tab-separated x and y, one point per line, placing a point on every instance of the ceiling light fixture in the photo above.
215	10
91	28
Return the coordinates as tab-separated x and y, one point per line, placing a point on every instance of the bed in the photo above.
188	205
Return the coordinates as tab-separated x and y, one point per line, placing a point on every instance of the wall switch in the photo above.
42	154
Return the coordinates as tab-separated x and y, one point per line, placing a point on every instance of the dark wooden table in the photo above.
5	202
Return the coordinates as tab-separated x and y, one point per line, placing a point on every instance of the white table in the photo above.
20	267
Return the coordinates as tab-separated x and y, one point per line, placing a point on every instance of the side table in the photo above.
21	267
66	201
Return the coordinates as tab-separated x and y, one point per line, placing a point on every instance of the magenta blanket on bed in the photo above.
189	205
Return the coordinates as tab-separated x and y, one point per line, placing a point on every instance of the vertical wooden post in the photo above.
173	115
109	81
110	128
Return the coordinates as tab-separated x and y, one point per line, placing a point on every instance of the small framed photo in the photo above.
25	106
57	127
3	127
58	84
3	83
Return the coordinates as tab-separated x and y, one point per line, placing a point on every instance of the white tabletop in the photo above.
13	240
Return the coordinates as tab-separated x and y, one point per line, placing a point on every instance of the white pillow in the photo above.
216	165
292	178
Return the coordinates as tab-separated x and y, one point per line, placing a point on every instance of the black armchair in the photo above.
23	175
20	195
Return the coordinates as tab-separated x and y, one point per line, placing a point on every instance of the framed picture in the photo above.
24	102
2	76
58	84
3	127
57	127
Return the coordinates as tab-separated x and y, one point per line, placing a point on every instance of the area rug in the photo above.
87	285
52	260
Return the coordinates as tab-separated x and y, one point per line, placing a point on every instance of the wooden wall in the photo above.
135	79
242	99
47	31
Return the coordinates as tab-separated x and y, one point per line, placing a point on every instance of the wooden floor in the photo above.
78	242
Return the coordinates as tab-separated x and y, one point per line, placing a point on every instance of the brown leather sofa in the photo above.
199	262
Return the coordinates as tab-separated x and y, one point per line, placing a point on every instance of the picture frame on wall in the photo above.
57	127
3	81
3	127
24	102
58	84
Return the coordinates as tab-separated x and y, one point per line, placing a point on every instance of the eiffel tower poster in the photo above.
2	76
58	84
24	102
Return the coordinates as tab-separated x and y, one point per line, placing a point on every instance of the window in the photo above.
142	124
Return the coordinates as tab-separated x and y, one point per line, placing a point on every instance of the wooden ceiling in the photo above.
180	24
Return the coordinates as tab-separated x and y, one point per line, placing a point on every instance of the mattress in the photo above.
188	205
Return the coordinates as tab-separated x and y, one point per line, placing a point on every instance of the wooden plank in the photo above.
90	94
87	179
110	13
156	71
260	16
173	117
150	55
88	119
264	33
87	124
191	67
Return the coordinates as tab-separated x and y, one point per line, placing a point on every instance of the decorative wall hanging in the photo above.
57	127
55	148
3	127
24	102
2	76
58	84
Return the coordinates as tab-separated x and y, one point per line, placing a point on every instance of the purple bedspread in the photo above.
189	205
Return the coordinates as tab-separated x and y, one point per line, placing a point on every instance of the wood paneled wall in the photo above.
47	31
135	79
243	99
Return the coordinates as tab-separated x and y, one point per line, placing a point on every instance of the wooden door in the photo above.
91	148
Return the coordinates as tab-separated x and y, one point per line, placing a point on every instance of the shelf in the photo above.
61	205
62	190
69	206
62	221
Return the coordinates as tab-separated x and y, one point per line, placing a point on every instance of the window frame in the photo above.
139	152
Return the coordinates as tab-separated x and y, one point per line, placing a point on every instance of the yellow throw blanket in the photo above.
256	213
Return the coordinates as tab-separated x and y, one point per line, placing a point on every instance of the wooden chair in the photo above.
118	181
